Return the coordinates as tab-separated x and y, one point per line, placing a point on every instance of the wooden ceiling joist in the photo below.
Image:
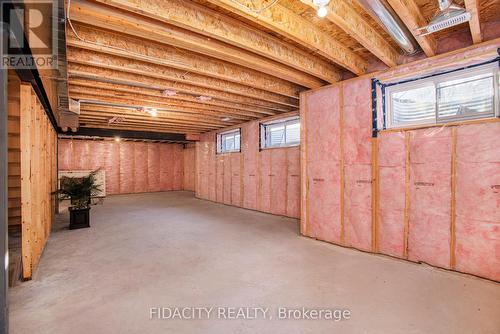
184	107
121	45
108	111
179	97
85	57
103	125
103	120
344	16
472	7
104	74
163	108
108	18
410	14
205	21
88	116
287	23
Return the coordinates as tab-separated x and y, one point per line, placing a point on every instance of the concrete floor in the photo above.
171	250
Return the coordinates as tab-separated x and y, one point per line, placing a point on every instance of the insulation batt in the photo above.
264	180
130	167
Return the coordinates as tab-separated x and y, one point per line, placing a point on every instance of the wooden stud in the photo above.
453	210
407	193
375	195
342	163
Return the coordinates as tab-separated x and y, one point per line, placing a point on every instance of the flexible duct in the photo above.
385	15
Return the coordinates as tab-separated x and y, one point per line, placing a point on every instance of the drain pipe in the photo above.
382	12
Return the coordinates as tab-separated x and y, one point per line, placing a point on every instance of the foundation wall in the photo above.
426	195
264	180
130	167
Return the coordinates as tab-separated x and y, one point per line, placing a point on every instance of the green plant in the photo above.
79	189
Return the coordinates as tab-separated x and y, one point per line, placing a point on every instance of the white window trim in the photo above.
219	141
263	143
488	68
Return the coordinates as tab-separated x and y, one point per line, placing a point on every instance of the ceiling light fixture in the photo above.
117	139
225	119
151	111
322	6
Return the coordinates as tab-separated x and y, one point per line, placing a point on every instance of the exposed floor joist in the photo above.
121	45
107	18
295	27
410	14
342	14
472	7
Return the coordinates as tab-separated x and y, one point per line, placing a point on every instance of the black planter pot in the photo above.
79	218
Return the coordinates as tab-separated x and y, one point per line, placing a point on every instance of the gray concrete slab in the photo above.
172	250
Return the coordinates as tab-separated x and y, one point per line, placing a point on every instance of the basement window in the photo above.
280	133
229	141
461	95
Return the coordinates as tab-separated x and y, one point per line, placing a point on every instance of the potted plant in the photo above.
79	190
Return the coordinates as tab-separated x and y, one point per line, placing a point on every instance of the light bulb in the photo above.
322	11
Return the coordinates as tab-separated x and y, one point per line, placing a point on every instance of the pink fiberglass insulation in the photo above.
293	191
189	168
266	157
235	179
219	166
478	200
227	179
178	167
250	140
140	167
81	155
166	168
153	166
212	171
65	154
357	110
112	167
430	196
323	164
127	162
96	152
278	181
392	161
357	206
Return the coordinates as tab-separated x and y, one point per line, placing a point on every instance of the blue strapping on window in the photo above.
383	86
374	108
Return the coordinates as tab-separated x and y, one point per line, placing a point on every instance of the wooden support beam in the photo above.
472	7
287	23
103	121
134	128
344	16
108	18
89	58
128	134
183	107
109	42
410	14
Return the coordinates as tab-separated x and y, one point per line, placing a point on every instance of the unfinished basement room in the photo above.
250	166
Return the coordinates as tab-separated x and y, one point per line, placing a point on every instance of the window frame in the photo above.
220	135
435	81
285	121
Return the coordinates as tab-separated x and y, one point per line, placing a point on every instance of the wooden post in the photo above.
407	194
453	210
